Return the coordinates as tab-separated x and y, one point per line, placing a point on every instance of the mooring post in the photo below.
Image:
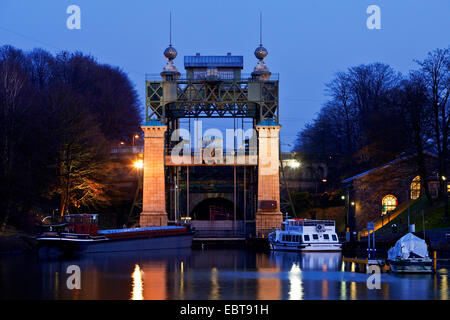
435	260
373	246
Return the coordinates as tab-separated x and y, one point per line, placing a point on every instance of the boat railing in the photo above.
327	223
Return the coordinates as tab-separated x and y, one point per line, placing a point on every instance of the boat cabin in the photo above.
307	231
81	223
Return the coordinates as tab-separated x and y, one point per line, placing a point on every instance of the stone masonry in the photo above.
154	201
268	178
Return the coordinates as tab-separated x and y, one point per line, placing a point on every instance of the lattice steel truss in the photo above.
213	99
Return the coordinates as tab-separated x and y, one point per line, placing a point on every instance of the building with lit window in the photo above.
379	191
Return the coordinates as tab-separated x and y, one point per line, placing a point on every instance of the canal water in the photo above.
208	274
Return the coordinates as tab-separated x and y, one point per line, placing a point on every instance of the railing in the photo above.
245	77
223	229
238	160
128	149
211	151
217	233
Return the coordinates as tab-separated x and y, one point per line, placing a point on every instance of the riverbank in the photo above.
17	244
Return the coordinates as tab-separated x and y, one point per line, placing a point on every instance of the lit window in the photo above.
389	203
415	188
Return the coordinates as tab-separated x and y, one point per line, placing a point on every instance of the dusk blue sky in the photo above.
308	40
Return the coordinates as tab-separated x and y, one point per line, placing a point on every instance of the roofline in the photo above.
386	165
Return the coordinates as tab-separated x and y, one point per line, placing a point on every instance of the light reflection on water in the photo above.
295	283
208	274
138	284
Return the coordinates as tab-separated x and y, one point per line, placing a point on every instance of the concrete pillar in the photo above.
268	215
154	190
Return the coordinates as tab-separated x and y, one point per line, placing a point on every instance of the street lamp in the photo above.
294	164
136	136
138	164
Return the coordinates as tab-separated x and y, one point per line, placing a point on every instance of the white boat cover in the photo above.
406	245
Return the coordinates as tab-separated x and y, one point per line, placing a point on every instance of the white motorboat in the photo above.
305	235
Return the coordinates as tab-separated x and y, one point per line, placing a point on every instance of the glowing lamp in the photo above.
294	164
139	164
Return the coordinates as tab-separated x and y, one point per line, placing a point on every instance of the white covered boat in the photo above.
305	235
410	255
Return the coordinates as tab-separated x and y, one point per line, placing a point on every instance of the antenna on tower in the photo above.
170	28
260	28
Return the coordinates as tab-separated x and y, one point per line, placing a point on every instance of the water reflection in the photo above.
306	272
444	287
214	294
268	284
208	274
295	283
138	285
308	261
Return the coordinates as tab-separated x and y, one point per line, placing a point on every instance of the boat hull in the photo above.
305	247
411	265
175	241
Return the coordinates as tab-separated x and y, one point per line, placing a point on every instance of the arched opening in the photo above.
389	203
214	209
415	188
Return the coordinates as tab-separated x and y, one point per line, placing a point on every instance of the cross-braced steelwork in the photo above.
212	98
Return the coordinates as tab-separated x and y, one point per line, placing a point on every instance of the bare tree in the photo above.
12	83
417	116
436	73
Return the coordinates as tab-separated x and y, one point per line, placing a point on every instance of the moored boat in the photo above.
305	235
410	255
80	234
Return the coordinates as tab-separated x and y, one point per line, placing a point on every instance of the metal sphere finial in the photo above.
261	52
170	53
